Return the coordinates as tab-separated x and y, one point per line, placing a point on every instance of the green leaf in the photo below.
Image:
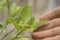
11	20
18	38
18	19
40	22
17	10
17	26
14	22
24	39
32	28
13	8
3	2
26	14
37	24
29	24
31	21
1	25
1	7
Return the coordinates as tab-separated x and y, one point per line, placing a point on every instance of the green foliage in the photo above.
15	10
26	14
23	22
24	39
1	7
13	7
35	24
1	25
40	22
3	2
31	21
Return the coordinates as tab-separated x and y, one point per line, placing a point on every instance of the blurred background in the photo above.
39	8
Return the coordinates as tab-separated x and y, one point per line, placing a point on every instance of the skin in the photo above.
51	29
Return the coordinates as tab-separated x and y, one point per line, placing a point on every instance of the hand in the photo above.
51	29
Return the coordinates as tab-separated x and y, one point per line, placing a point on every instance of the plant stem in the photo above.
19	33
8	5
8	34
